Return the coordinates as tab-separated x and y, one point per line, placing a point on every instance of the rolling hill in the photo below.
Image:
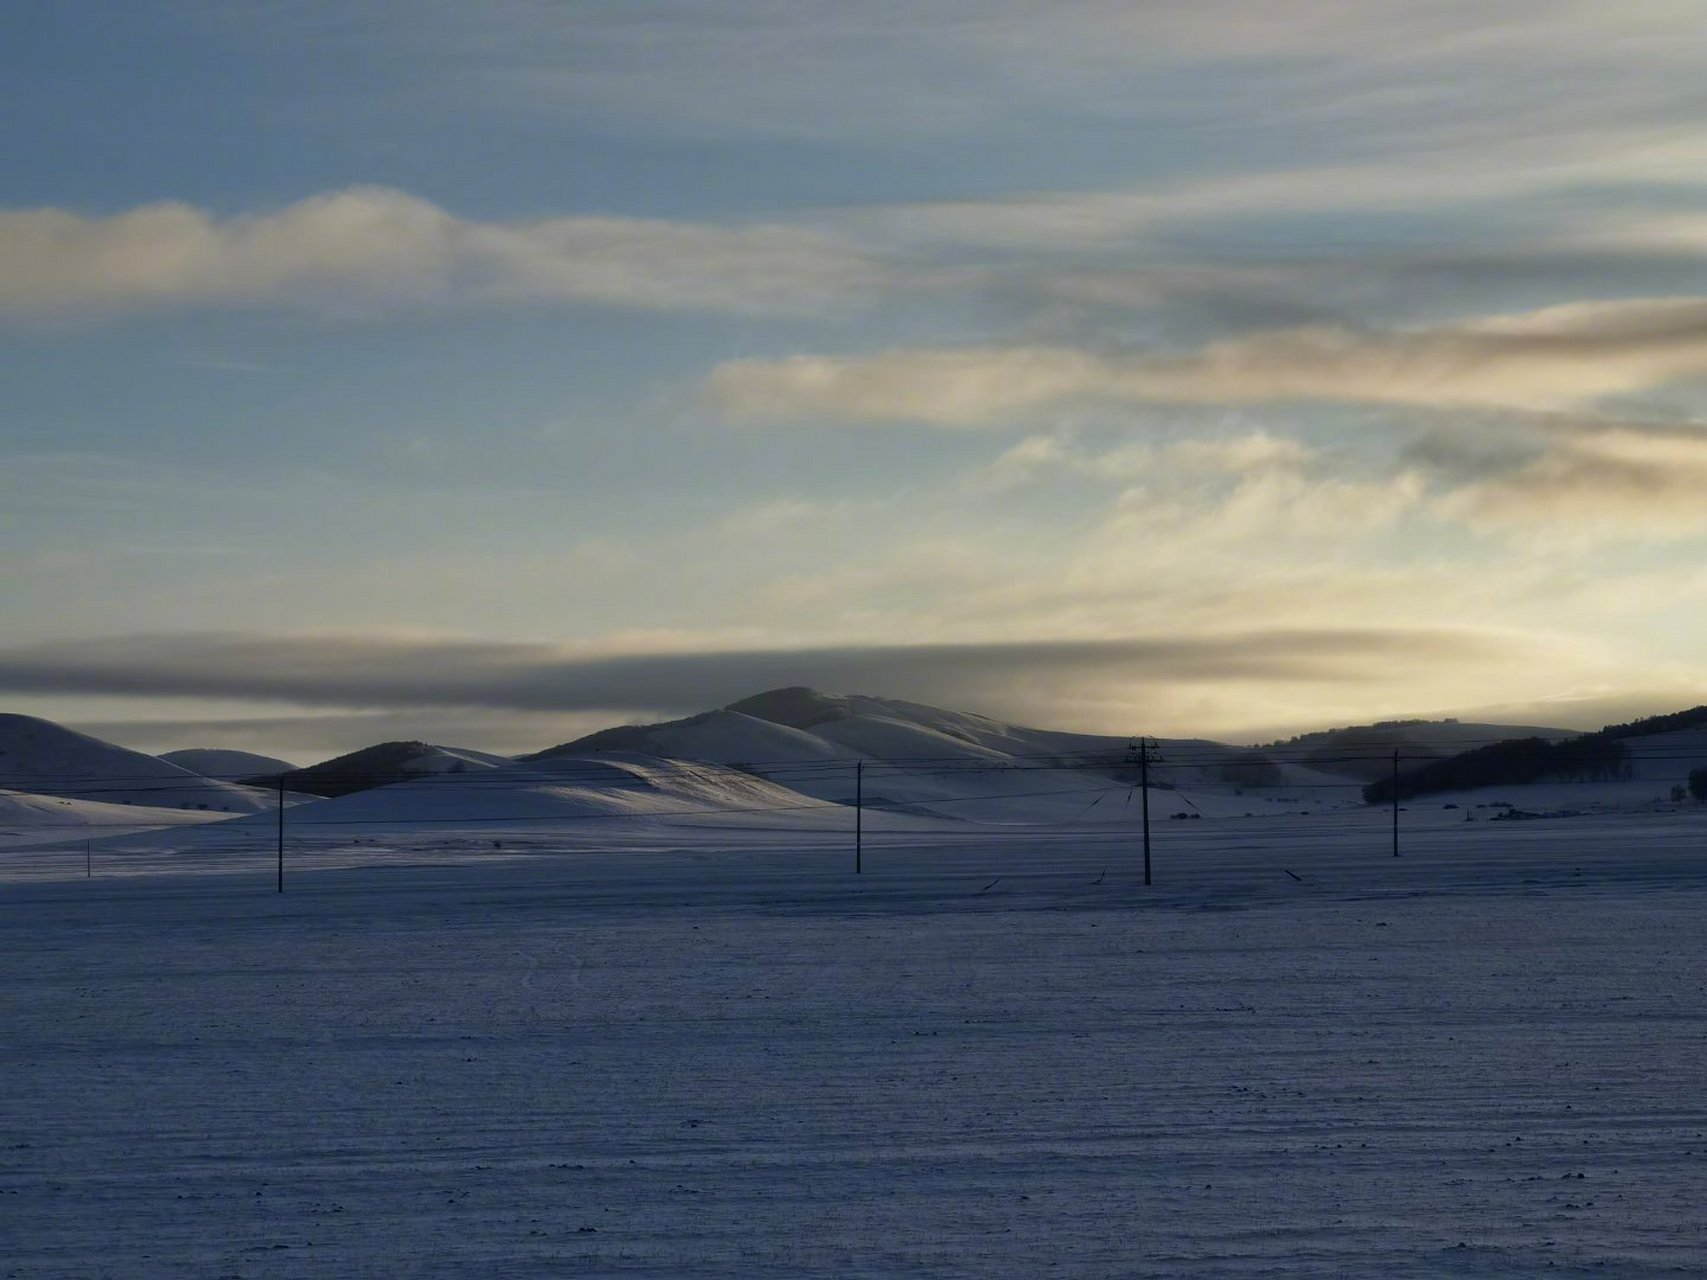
44	758
381	766
225	764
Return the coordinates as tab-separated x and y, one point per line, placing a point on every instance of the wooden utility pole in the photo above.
281	832
1395	803
859	814
1143	749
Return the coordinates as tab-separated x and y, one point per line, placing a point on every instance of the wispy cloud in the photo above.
1558	358
794	68
1600	481
375	249
1252	453
1585	478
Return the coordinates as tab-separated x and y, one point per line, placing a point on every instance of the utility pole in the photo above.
859	814
281	832
1142	747
1395	802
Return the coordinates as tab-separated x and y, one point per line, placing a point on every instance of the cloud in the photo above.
1077	220
374	248
1600	480
886	68
1400	30
1558	358
1249	454
384	674
946	388
1668	237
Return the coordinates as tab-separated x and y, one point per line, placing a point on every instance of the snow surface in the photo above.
629	1046
625	1015
26	818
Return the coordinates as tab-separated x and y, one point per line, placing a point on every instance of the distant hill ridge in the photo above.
917	757
1598	756
224	763
378	766
796	722
922	758
1364	752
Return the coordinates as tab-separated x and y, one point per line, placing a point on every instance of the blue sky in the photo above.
990	354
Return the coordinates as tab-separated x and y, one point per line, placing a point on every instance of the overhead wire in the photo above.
599	766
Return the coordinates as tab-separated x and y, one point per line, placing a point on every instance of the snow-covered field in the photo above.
715	1052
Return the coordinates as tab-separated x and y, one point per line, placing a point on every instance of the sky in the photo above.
494	373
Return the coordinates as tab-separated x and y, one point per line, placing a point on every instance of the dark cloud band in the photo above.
378	674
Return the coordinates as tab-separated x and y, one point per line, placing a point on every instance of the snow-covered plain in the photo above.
629	1046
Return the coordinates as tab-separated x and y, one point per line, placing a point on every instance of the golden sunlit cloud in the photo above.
1553	359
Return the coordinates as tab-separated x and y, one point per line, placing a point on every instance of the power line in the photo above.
594	768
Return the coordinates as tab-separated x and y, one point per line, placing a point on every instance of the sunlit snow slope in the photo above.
930	761
26	817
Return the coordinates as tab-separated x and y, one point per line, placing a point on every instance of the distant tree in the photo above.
1698	784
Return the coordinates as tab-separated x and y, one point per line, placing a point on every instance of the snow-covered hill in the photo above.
557	794
225	764
44	758
791	759
930	761
719	737
388	763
